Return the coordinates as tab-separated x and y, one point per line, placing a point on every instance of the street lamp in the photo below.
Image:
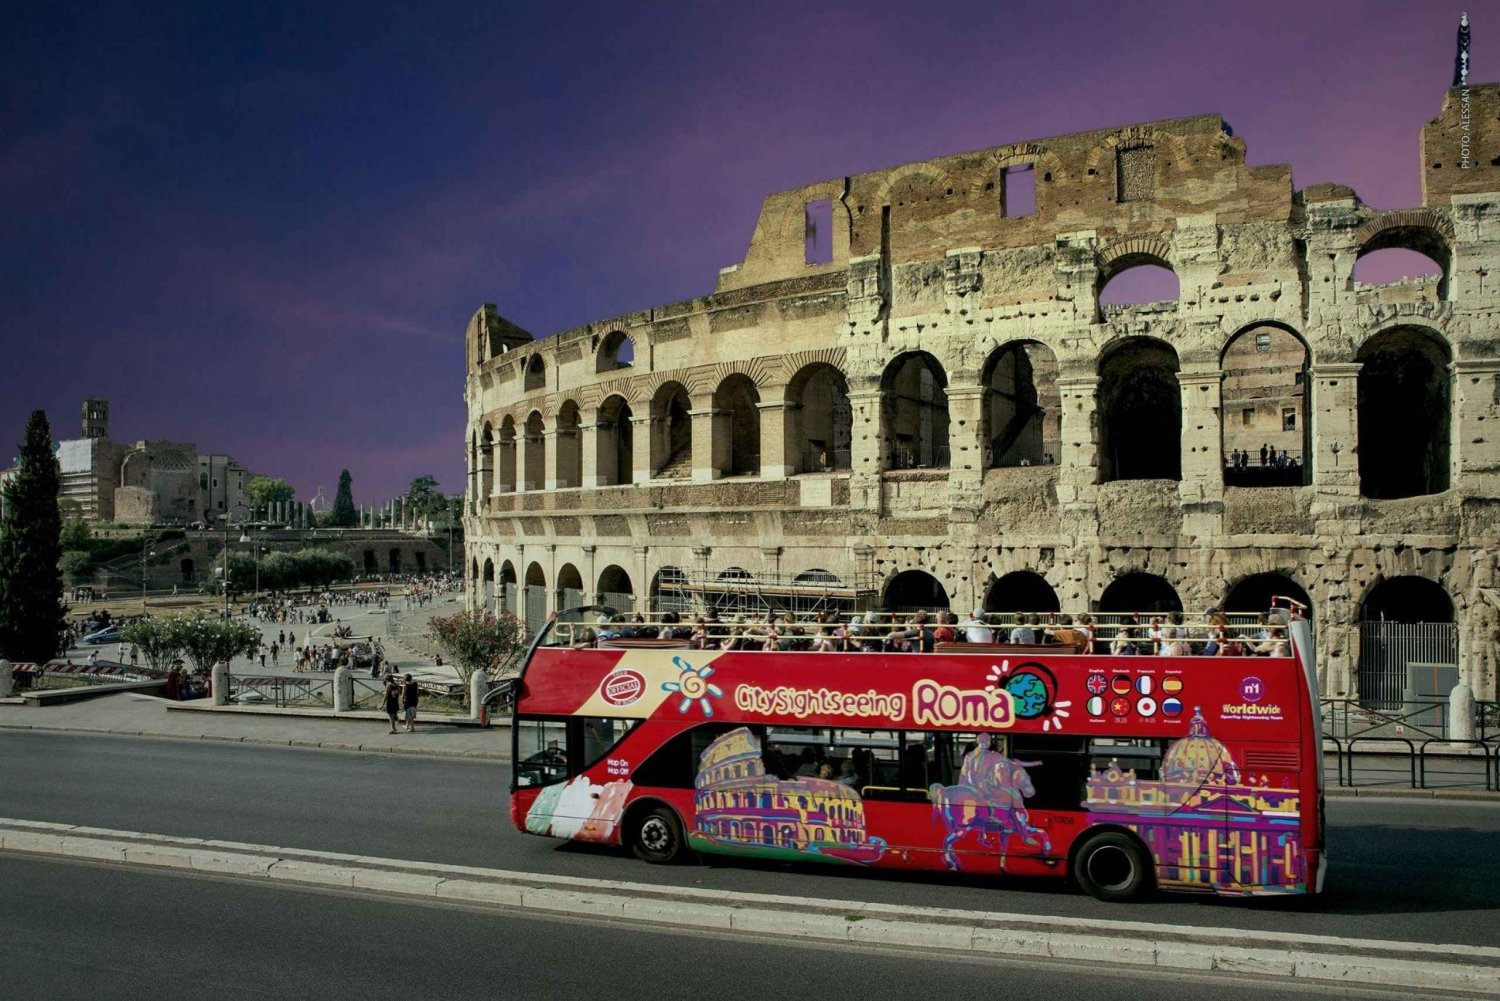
226	516
147	553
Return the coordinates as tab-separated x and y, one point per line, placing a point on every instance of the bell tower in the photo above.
96	418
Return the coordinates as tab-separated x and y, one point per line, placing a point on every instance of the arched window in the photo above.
1254	593
486	465
506	460
487	584
1403	414
536	453
1021	591
510	591
819	420
736	427
535	603
568	443
395	560
1140	592
1265	435
616	351
536	374
914	590
615	589
1407	641
1408	255
1140	284
671	433
914	412
569	587
669	591
1140	412
1020	411
615	443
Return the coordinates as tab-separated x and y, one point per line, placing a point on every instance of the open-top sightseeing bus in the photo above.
1123	772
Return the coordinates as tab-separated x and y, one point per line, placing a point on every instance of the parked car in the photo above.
109	634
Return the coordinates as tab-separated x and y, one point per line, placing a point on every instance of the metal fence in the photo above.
281	691
1387	650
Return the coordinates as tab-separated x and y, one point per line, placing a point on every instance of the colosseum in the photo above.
913	392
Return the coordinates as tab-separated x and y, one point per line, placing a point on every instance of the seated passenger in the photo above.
1063	633
976	630
822	642
1022	633
1124	643
848	774
944	631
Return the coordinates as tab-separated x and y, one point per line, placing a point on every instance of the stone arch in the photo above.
1253	593
671	431
614	351
1139	411
395	559
915	590
736	427
1404	413
914	412
907	176
534	476
188	569
510	591
1421	231
1021	408
535	376
1407	598
569	445
1137	591
1021	591
505	471
614	442
1145	286
1265	399
369	562
669	591
819	419
487	584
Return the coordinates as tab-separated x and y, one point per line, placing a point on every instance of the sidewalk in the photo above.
131	714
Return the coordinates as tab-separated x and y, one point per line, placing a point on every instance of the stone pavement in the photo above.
133	714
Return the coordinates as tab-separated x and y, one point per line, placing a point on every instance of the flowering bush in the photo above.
479	641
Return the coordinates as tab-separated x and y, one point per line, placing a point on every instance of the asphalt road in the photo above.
1413	870
90	931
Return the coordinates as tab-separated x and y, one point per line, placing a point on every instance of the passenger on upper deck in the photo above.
1022	632
976	630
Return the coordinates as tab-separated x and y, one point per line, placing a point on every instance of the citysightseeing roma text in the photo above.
930	703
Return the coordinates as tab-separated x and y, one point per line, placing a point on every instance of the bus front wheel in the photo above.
1112	866
657	836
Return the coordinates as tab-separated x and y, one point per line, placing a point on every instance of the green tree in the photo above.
207	641
265	491
479	641
73	563
31	608
158	640
343	514
423	499
75	534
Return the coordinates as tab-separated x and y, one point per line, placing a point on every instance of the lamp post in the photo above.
226	517
147	553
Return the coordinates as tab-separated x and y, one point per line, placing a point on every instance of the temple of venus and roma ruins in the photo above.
909	395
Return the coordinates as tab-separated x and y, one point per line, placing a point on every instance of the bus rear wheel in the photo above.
1111	866
656	836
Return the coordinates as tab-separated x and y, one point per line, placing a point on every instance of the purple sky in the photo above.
262	227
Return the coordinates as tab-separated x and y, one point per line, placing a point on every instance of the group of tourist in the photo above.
1239	458
922	632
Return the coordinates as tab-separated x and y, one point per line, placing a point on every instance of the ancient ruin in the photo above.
909	394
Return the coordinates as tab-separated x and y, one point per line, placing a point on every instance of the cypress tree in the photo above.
343	514
31	608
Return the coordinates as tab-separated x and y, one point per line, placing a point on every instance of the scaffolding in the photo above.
756	596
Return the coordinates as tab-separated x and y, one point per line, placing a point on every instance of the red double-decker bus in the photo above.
1122	772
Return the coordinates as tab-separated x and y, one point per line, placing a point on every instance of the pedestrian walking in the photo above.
392	700
411	694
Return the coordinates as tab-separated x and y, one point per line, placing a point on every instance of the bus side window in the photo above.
600	734
1059	772
1142	756
674	765
541	751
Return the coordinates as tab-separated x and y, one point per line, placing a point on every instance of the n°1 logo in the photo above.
1252	689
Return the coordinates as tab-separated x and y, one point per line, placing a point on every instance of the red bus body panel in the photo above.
1235	810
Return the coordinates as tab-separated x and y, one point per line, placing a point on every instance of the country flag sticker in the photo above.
1146	705
1171	707
1097	684
1171	685
1119	705
1144	684
1096	706
1121	684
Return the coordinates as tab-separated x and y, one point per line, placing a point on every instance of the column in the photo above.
553	458
866	448
1335	427
526	448
641	452
965	450
1201	488
1080	440
505	471
710	450
589	444
775	462
1475	442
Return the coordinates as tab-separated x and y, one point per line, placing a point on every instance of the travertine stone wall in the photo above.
926	260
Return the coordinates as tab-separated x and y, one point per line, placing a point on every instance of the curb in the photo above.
322	745
1404	792
1307	958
